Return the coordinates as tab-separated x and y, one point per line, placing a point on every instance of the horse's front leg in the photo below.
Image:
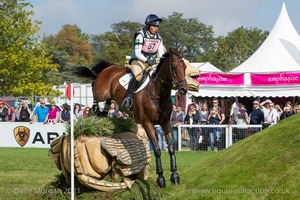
168	135
149	128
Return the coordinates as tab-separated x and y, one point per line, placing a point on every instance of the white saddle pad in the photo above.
124	81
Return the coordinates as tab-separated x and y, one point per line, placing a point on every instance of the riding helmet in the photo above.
153	20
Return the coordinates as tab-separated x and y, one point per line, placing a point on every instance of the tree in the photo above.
236	47
69	48
24	64
115	45
193	36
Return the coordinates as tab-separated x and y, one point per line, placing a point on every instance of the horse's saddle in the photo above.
124	80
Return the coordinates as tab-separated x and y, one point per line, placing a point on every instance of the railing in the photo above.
227	130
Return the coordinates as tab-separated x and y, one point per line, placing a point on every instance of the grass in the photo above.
263	166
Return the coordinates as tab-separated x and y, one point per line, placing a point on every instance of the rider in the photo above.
147	44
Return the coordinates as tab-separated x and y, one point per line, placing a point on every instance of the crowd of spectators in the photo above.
264	113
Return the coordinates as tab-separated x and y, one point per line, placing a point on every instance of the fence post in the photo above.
179	137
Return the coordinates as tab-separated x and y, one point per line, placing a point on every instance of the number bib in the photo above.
150	45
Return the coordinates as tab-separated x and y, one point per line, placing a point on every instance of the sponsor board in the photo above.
24	134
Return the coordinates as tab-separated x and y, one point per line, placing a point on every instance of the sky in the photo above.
97	16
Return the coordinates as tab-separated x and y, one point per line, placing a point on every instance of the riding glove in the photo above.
150	62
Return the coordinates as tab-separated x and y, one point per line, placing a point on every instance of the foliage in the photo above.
193	36
117	44
24	64
237	47
104	126
69	48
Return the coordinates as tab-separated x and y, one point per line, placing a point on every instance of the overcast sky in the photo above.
96	16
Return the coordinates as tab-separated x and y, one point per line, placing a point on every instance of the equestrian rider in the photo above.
148	45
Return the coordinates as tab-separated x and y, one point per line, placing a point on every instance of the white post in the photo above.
72	142
179	137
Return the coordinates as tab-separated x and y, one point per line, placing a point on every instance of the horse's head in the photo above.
177	67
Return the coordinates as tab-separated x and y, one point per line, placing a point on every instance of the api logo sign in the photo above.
21	134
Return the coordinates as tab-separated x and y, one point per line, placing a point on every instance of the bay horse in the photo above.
152	105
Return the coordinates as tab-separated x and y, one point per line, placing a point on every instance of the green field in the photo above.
263	166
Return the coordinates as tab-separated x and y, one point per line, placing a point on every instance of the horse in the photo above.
152	105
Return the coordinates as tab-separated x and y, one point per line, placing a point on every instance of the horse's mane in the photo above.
164	57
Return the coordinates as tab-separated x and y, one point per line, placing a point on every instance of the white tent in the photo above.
205	67
280	52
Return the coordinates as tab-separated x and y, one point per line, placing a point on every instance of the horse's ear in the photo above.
171	50
181	52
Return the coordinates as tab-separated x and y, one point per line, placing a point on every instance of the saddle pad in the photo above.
124	81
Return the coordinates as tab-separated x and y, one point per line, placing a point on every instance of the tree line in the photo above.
32	64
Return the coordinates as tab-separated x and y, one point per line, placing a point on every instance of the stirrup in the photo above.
127	103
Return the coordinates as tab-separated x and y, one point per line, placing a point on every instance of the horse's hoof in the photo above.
175	178
161	182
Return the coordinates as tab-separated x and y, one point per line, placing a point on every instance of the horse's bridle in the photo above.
174	81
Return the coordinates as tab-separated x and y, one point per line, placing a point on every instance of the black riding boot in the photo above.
127	103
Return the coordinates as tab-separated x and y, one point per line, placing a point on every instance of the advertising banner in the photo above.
24	134
275	79
220	79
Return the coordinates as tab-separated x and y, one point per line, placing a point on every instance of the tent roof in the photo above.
280	52
205	67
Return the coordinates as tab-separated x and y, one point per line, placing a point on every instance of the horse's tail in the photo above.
92	73
85	72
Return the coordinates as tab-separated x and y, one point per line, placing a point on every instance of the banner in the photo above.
24	134
220	79
275	79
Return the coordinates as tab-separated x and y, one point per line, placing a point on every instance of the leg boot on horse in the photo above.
127	103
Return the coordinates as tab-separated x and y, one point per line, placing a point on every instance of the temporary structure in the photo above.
273	70
206	67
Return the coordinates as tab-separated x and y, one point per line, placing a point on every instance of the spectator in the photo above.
204	114
256	117
24	112
191	118
297	109
214	118
220	111
177	118
53	114
271	117
204	140
287	110
10	116
265	106
3	111
78	112
65	116
40	112
113	111
159	133
86	111
242	119
279	111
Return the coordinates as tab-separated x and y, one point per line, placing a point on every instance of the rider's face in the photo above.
153	29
